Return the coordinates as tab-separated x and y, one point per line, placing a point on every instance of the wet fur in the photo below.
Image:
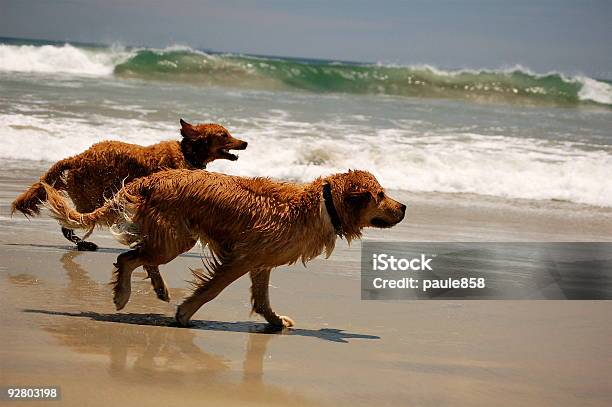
251	225
94	176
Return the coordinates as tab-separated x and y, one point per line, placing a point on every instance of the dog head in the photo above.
361	202
203	143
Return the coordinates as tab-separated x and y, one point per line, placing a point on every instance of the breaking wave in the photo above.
184	64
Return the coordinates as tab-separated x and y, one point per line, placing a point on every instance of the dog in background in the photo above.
251	225
92	177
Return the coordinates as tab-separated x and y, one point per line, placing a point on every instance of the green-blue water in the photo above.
507	133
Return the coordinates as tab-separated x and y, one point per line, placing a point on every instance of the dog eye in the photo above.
381	195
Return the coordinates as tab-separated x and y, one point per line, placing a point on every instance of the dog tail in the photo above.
117	214
71	218
29	201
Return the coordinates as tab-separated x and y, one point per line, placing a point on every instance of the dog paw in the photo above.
282	321
84	246
121	298
287	322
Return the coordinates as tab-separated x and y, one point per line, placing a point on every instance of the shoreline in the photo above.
481	217
60	326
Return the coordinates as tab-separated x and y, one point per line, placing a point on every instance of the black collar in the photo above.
331	209
191	157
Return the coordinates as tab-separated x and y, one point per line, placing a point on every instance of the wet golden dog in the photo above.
251	225
92	177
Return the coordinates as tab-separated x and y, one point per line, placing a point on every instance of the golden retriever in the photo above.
250	225
92	177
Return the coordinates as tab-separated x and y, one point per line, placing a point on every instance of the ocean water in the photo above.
509	133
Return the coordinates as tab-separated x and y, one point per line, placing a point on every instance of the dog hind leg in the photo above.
161	247
122	284
260	299
158	283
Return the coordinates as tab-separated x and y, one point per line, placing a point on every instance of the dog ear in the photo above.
187	130
358	199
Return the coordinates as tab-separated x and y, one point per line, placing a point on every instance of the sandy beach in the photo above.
59	326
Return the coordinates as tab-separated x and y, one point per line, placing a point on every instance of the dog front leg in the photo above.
260	299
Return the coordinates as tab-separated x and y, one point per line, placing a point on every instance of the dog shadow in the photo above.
80	284
72	249
328	334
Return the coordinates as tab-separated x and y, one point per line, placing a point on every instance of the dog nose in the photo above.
245	144
403	209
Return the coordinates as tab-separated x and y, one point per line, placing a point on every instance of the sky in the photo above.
573	36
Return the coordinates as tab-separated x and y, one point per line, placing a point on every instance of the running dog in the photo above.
92	177
251	225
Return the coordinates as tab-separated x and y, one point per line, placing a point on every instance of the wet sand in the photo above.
59	326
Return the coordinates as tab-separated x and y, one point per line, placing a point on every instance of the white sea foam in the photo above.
442	161
472	163
65	59
596	91
39	138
